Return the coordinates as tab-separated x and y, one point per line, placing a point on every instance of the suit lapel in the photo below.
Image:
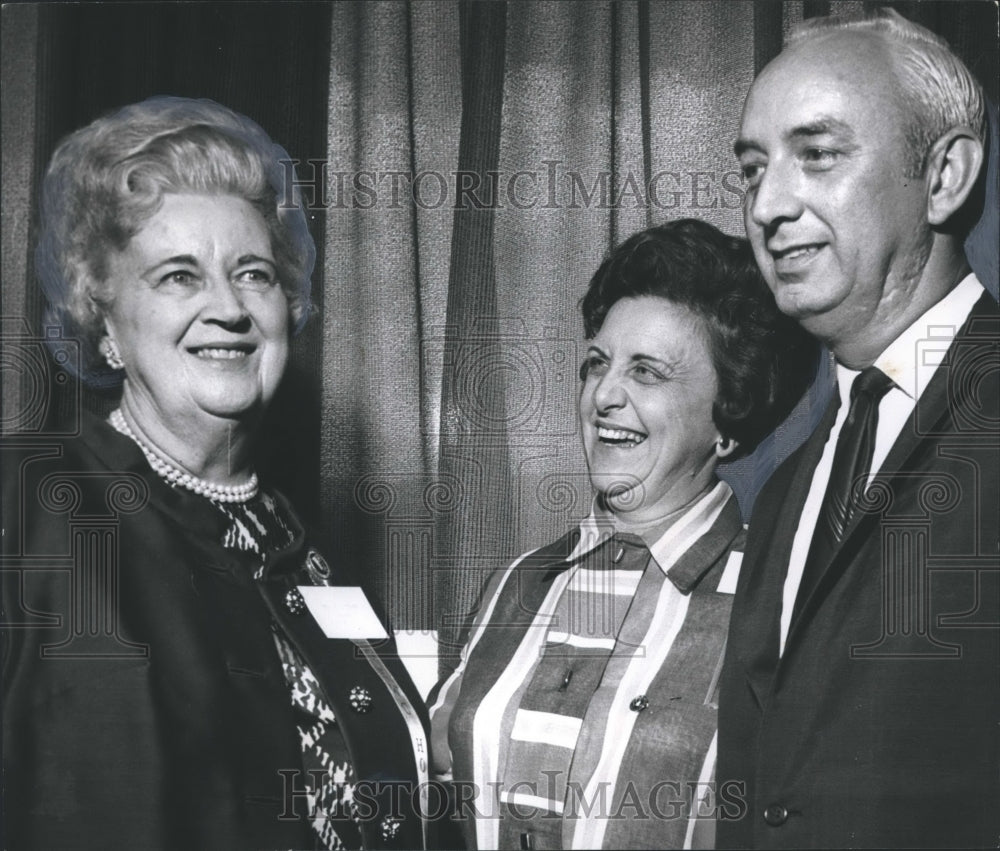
773	529
933	413
931	417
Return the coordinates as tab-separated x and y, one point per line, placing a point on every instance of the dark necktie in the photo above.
852	463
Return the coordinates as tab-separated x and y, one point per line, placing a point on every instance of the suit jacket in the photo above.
878	726
145	705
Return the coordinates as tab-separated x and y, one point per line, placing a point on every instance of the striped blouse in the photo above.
583	713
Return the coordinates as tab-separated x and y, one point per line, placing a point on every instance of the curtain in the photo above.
526	140
467	166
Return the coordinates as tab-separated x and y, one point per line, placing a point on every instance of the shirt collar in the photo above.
599	526
910	359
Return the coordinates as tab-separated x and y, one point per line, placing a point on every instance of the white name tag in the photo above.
342	612
730	574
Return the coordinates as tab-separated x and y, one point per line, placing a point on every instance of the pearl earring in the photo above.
111	354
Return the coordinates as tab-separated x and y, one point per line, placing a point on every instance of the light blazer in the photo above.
878	727
154	713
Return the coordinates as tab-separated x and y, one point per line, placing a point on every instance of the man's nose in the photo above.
776	197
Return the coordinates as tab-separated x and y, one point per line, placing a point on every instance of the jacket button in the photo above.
639	703
294	601
316	567
775	815
390	828
360	699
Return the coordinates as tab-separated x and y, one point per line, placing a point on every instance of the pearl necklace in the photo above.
175	476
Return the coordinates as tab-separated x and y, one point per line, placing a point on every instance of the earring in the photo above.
725	444
111	354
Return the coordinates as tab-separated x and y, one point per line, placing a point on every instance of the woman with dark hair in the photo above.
583	713
192	672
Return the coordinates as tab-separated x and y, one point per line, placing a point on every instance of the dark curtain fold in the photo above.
768	33
474	438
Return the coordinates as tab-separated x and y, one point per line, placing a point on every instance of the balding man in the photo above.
861	692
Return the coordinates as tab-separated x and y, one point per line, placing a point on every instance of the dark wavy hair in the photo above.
763	360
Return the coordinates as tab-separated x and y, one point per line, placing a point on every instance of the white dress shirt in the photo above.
910	361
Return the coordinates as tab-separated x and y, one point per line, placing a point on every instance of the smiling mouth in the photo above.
797	252
221	352
621	437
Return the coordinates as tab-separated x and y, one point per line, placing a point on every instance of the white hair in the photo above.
937	87
106	179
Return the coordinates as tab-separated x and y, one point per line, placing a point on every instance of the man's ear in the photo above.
952	168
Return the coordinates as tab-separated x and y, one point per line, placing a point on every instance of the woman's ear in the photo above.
725	446
952	168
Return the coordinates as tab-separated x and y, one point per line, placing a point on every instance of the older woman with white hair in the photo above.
201	677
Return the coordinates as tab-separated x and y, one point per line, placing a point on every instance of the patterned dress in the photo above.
258	527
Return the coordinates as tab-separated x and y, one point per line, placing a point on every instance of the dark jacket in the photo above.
144	701
878	727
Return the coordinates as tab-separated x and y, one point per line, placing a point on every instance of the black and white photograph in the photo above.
500	424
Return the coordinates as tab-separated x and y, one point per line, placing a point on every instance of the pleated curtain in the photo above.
467	166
